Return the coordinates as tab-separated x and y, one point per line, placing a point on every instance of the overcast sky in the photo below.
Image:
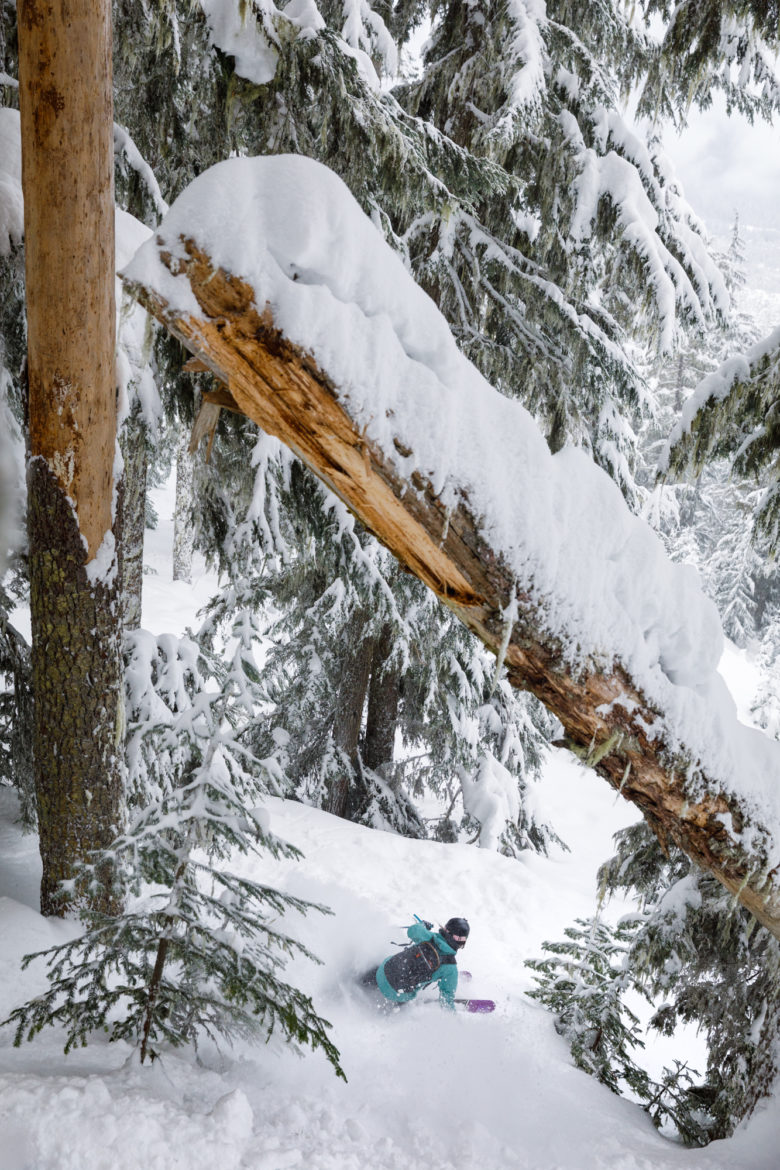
726	164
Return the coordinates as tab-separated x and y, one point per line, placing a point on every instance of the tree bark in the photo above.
135	456
348	717
182	519
604	713
384	695
67	178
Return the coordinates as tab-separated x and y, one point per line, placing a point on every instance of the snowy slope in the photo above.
425	1090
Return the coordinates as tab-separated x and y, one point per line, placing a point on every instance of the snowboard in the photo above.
478	1006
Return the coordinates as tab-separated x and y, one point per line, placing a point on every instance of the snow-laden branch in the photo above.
717	386
124	144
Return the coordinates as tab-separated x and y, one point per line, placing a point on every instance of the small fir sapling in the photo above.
584	982
710	963
197	951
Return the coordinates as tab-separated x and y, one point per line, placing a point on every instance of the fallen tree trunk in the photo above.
608	722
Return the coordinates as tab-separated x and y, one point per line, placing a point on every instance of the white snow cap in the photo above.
492	797
291	228
246	33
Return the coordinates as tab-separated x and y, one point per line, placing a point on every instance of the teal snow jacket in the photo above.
401	976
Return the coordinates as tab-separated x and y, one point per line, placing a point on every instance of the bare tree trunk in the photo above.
349	712
67	178
384	694
135	456
182	522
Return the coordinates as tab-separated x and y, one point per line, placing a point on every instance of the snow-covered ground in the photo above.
425	1089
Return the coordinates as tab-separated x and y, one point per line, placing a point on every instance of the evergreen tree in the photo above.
436	695
733	568
363	660
584	981
484	221
725	46
730	424
698	953
596	215
198	951
196	959
15	667
765	707
707	522
703	959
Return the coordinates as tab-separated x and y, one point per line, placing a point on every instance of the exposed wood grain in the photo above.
65	100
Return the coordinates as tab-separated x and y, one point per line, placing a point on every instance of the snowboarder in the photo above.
430	959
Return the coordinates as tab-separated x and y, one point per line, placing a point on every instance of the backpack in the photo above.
414	966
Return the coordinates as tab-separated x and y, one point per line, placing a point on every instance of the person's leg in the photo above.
374	993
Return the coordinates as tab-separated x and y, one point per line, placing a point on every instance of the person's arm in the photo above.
419	932
448	985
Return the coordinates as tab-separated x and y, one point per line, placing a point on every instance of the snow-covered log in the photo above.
323	339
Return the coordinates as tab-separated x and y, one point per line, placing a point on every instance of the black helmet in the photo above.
455	932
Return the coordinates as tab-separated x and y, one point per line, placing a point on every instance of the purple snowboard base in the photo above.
480	1006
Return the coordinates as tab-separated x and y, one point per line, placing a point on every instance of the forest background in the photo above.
547	225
